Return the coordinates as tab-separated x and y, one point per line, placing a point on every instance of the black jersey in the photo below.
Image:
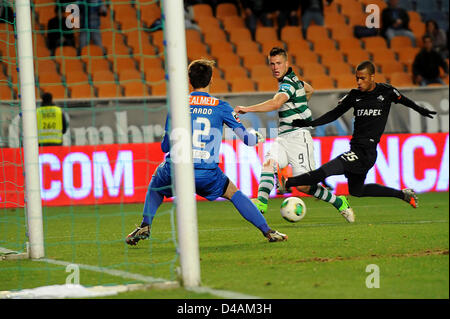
371	111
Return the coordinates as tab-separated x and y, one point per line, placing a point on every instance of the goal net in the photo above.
103	62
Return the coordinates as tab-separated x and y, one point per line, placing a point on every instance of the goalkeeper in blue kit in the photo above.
208	115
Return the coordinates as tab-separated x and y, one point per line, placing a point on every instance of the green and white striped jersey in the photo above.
297	105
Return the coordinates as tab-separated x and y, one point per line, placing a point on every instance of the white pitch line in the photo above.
148	279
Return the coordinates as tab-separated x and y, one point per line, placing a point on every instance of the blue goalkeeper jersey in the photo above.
208	115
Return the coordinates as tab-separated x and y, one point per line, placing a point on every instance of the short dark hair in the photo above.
200	73
278	51
366	65
47	99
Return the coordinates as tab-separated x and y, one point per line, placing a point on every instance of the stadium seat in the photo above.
382	55
102	76
126	75
139	42
6	93
196	50
376	42
76	76
265	33
57	91
41	51
349	44
335	69
323	45
266	84
251	59
44	13
304	56
345	81
219	85
340	32
193	36
356	18
400	42
240	85
310	69
157	39
315	32
114	43
321	82
297	45
108	90
331	57
46	78
226	9
290	33
91	50
351	7
259	71
400	79
407	55
267	45
388	67
45	66
158	89
239	34
381	78
96	65
208	22
216	48
230	22
134	89
149	63
380	3
123	63
234	71
245	47
334	19
69	65
228	59
66	51
214	36
150	12
355	56
80	91
201	10
154	75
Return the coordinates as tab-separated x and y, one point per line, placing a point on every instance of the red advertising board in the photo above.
120	173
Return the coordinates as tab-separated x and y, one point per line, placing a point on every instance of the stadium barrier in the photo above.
142	120
119	173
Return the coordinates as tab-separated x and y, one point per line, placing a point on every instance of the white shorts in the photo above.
295	148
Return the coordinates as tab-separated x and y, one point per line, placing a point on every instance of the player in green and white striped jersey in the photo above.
293	146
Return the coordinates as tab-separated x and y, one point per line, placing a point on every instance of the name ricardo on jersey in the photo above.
201	110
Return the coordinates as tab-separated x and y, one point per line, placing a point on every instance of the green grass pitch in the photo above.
325	257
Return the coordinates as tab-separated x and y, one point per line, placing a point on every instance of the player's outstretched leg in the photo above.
274	236
410	197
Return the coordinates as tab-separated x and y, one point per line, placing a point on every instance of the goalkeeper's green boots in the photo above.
345	210
138	234
410	197
260	205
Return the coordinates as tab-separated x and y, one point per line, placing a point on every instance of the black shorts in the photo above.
358	161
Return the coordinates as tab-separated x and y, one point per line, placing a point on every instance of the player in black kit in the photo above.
371	103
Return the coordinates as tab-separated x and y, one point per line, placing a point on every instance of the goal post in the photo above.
30	138
180	135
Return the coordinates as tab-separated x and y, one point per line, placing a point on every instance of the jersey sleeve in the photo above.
231	119
287	88
395	95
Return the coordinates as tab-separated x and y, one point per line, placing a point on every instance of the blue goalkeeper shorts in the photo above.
209	183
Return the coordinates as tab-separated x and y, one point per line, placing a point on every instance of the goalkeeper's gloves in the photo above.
300	123
425	112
